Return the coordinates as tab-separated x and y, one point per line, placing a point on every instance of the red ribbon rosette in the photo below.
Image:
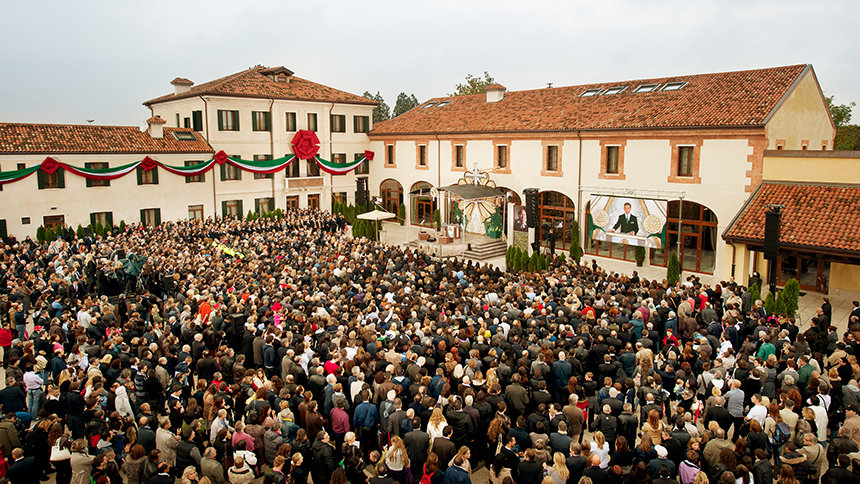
148	164
50	165
368	155
221	157
305	144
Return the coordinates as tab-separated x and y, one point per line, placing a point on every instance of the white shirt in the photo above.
758	412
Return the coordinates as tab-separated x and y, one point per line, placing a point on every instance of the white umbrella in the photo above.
377	215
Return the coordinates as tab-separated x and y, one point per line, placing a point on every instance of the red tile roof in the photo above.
494	86
181	81
156	120
816	216
726	99
65	138
253	83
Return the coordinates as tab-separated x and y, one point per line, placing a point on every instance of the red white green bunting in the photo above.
342	168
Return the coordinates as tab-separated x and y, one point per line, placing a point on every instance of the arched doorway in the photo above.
391	192
698	236
556	210
422	204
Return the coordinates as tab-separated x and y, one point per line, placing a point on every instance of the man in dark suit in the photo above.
23	470
594	472
163	476
145	435
627	223
510	459
381	475
719	414
417	447
444	448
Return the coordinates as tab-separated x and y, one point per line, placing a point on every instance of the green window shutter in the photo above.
224	208
88	181
254	124
236	118
239	208
268	121
61	178
3	232
355	124
139	175
142	216
41	177
157	216
238	174
257	205
110	218
93	219
223	172
220	120
155	176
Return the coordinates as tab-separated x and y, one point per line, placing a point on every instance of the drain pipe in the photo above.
272	147
579	208
206	130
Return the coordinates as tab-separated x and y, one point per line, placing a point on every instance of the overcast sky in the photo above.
66	62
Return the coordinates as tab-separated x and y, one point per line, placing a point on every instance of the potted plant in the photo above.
401	214
640	255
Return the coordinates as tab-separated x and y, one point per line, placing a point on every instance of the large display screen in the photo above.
626	220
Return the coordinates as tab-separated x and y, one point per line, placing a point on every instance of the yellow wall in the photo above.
844	279
803	116
812	169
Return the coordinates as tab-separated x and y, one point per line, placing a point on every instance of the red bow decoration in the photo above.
50	165
221	157
368	155
148	164
305	144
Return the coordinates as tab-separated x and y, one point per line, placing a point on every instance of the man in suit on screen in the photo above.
626	223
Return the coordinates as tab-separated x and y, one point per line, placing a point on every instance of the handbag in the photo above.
59	452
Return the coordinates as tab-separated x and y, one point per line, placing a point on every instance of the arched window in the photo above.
422	204
556	210
391	192
698	237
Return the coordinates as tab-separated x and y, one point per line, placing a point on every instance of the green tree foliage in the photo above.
640	254
122	225
847	138
437	219
779	308
41	235
770	303
80	231
381	112
755	293
673	269
473	85
841	113
401	213
561	259
790	296
575	249
404	103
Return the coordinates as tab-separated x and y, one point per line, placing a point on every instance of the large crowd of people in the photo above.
285	350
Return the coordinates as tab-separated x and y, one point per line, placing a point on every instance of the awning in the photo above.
376	215
475	192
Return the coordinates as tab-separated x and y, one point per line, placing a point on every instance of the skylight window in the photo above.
429	105
614	90
443	103
184	136
646	88
673	86
590	92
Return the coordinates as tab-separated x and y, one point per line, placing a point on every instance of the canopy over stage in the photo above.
475	192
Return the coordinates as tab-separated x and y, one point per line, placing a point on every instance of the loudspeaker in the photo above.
361	194
532	214
771	235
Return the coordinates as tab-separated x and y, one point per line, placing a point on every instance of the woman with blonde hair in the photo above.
397	460
600	447
435	425
702	478
559	471
653	427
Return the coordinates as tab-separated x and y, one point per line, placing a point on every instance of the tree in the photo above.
473	85
841	113
401	213
790	295
770	303
847	138
41	234
381	112
575	249
404	103
673	269
755	293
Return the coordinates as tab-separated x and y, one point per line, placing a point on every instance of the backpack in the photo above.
781	434
426	478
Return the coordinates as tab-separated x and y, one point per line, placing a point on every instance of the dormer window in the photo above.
278	74
614	90
281	78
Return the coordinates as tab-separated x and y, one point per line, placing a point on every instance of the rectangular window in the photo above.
147	177
186	122
97	166
102	218
389	154
54	180
263	176
261	121
313	168
197	120
312	122
177	120
339	197
264	205
231	208
612	160
195	212
361	124
230	172
196	178
21	166
552	158
422	155
291	122
364	168
292	202
338	157
460	156
685	160
228	120
293	169
150	216
338	123
502	156
314	202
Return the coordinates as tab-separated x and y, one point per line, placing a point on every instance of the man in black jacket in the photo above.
417	447
607	424
324	461
529	470
461	423
22	470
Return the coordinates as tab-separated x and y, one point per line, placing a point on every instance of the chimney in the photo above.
181	85
156	127
495	92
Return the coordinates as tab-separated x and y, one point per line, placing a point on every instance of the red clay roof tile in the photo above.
735	99
65	138
181	81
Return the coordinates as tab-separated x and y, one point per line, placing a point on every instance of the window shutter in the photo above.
355	124
220	120
89	182
238	172
197	120
41	177
3	232
236	119
223	172
157	216
139	175
142	216
155	176
257	205
254	124
61	178
268	117
93	219
110	218
239	208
